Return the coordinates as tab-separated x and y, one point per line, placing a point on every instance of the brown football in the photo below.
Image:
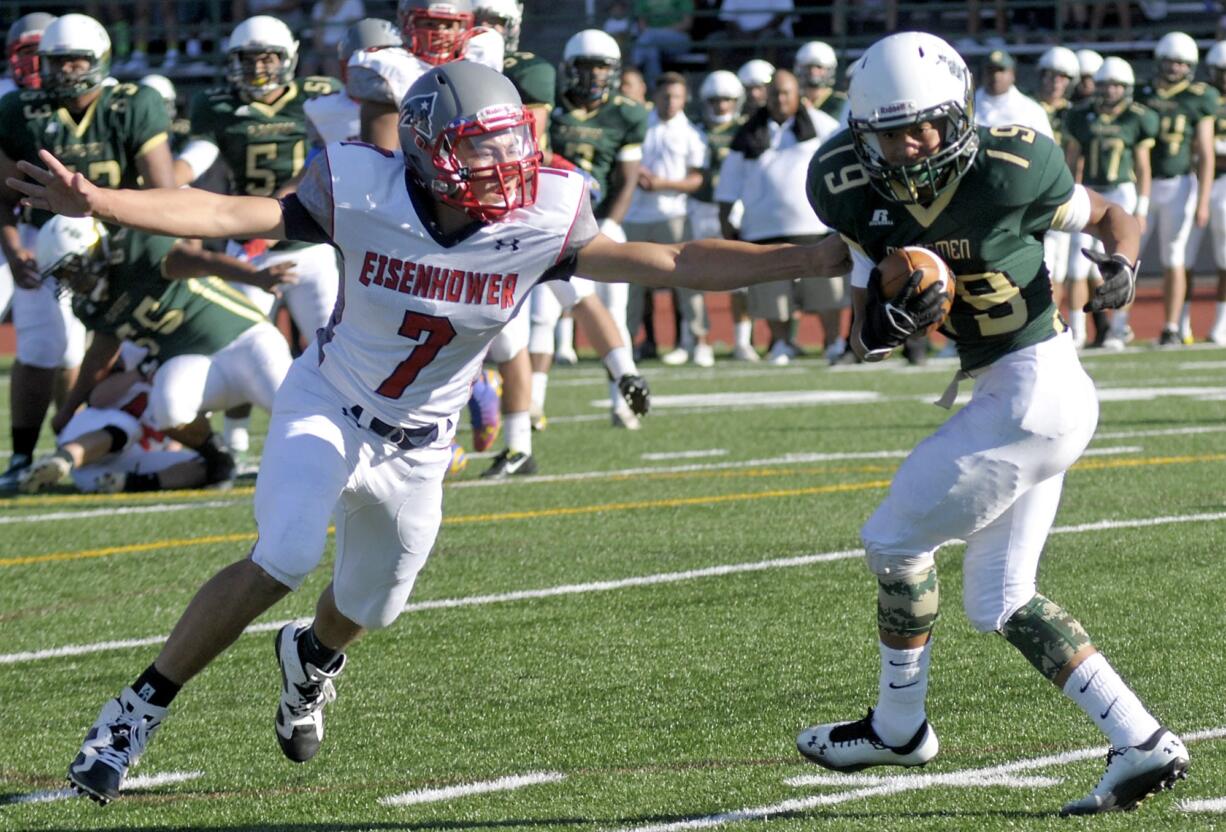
897	267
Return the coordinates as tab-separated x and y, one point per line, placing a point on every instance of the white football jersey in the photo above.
334	118
413	318
399	67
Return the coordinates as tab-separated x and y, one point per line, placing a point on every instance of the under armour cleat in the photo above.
635	392
485	410
510	464
852	746
44	473
114	744
1134	773
305	690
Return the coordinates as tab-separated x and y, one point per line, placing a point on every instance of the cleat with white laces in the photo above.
305	690
1134	773
114	744
44	473
852	746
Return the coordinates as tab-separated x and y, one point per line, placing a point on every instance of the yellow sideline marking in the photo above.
573	511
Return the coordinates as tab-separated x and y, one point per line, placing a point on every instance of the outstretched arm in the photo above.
711	265
175	212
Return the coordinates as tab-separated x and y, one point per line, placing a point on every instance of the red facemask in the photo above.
488	166
436	46
23	62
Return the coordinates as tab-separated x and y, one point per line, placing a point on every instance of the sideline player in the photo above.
1215	60
115	135
364	423
1058	73
992	474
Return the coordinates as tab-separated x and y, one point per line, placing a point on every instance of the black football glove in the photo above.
635	391
1119	284
888	323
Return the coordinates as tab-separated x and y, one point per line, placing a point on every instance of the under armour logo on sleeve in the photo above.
508	242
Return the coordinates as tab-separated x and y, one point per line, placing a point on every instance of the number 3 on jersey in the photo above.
438	331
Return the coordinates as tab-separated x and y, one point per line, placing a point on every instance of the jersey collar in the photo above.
424	206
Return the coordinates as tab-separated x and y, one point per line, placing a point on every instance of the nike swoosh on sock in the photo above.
1088	682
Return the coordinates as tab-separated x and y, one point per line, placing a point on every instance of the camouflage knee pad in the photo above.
1045	634
907	604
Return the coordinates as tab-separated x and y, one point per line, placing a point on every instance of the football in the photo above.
897	267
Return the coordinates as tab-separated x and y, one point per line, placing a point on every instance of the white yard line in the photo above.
1216	805
666	455
140	781
597	586
990	775
502	784
157	508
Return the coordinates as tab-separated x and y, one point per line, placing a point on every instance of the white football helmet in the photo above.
75	251
721	84
165	88
1114	71
1089	61
253	36
1215	60
1062	61
815	64
509	14
583	51
1177	46
73	36
905	79
756	73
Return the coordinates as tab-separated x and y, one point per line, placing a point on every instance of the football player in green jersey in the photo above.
206	345
815	66
257	125
1109	139
116	136
723	97
1180	194
1058	72
912	169
1215	61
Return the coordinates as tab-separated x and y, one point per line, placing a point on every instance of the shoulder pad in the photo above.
1197	88
316	85
1137	109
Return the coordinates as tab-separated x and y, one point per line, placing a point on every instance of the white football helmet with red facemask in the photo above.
468	139
436	31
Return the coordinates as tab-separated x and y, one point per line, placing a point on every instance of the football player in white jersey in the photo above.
363	423
432	32
337	117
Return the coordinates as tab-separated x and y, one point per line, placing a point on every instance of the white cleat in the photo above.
43	474
675	358
115	743
1134	773
745	352
305	690
623	417
852	746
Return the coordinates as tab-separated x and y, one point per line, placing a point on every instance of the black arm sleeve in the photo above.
299	224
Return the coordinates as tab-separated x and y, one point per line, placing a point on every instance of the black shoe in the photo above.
510	464
305	690
11	478
1170	338
220	469
646	350
635	391
114	744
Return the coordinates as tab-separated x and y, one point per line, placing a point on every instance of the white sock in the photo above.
619	361
1109	702
1077	323
1185	319
234	433
518	428
743	333
1119	320
540	385
1219	317
901	691
565	334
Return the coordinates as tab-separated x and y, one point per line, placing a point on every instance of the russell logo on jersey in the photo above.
437	283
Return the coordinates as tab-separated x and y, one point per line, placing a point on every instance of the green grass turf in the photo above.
659	703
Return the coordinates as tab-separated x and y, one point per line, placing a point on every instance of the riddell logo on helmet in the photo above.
896	108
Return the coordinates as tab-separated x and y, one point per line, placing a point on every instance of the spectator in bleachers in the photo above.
619	24
764	22
634	86
670	170
663	31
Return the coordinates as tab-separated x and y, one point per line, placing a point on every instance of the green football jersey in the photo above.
264	145
1057	112
1179	110
1108	141
1219	140
595	139
833	104
534	77
104	142
167	317
988	227
719	145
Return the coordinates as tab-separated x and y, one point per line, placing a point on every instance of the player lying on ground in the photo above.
363	423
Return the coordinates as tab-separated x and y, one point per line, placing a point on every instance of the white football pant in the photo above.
991	475
1079	267
1217	226
1172	211
388	502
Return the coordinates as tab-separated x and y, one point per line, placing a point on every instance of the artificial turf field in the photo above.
632	639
